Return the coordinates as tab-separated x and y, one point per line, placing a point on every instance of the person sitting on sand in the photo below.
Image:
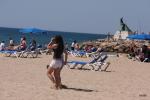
144	53
57	62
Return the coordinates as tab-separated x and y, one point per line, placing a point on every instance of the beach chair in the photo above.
100	62
96	64
77	53
9	53
95	53
33	53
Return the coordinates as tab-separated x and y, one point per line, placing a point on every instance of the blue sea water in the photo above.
6	33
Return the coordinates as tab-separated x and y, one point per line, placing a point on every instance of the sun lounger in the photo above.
27	53
23	54
96	63
77	53
8	53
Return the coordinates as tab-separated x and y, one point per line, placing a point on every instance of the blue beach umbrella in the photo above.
33	33
31	30
139	36
148	37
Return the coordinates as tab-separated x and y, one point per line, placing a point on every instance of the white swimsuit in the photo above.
56	63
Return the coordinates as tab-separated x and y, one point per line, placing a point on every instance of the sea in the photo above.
44	38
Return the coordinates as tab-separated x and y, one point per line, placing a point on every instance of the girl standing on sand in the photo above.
57	62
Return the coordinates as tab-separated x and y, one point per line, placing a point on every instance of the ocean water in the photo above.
69	37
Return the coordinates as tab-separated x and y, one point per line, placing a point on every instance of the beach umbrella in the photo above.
131	36
139	36
148	37
31	30
33	34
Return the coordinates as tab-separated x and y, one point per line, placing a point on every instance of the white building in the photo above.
121	35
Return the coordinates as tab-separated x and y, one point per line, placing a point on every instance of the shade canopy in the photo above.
31	30
139	36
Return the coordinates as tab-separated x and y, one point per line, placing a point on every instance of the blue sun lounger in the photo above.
8	53
95	63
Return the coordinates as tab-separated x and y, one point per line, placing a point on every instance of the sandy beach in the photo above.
25	79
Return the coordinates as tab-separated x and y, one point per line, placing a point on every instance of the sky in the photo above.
86	16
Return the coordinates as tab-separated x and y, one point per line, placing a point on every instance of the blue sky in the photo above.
89	16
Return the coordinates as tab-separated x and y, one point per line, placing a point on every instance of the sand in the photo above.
25	79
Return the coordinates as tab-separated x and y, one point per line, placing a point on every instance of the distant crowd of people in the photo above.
22	45
84	47
33	45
